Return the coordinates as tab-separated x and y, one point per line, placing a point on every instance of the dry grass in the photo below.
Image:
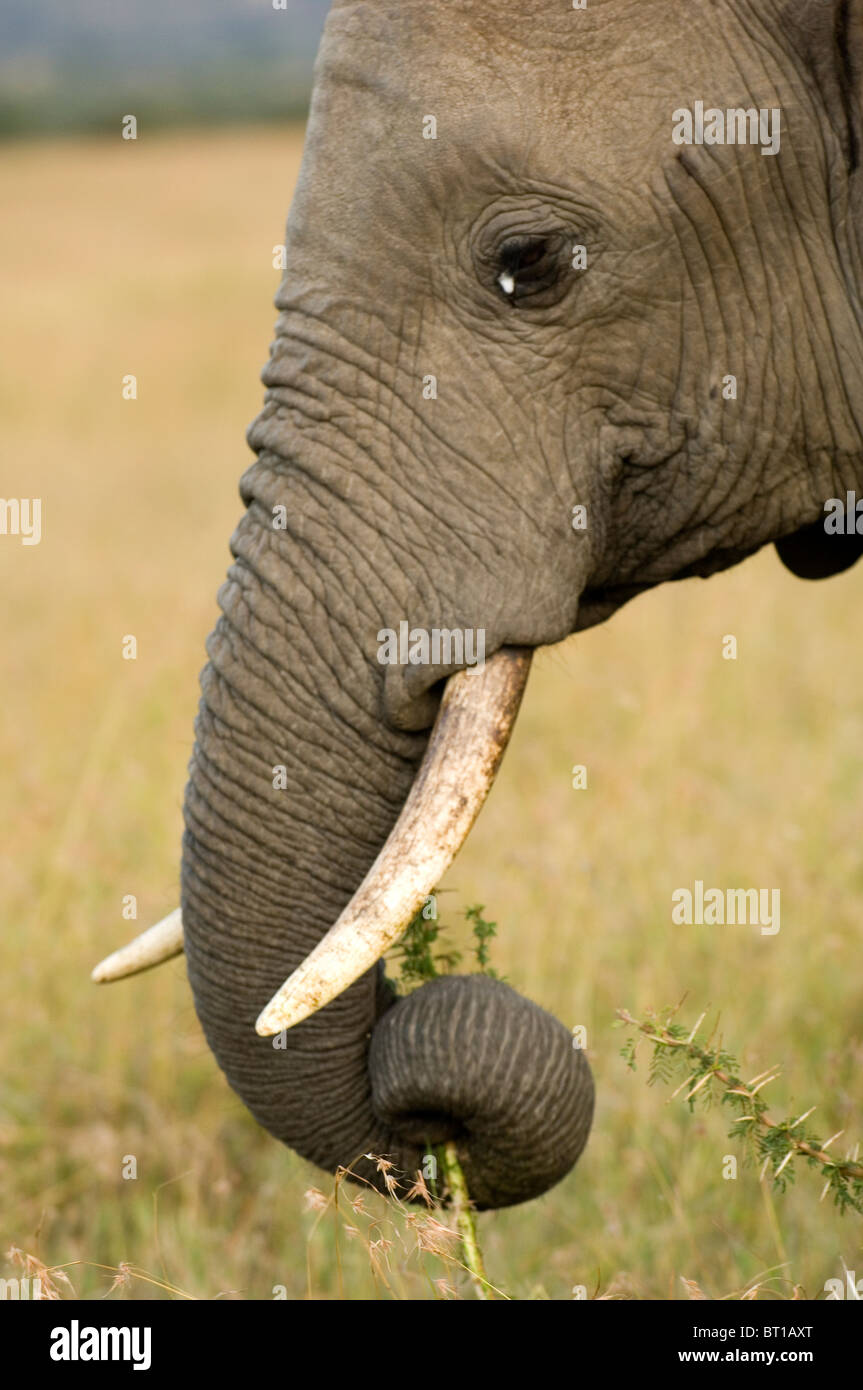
155	259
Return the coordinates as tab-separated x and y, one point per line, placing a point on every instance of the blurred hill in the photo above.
77	65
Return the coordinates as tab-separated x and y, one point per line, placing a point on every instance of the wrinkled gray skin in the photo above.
601	387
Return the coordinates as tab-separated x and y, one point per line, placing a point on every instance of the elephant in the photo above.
572	308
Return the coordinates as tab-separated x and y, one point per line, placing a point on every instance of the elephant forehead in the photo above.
470	55
542	90
624	45
542	28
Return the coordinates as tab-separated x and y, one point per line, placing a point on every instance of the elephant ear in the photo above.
812	553
827	36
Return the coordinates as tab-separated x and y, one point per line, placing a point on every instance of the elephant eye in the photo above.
527	265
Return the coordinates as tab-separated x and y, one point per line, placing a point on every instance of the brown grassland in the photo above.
155	259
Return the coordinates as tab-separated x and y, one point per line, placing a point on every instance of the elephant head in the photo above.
542	345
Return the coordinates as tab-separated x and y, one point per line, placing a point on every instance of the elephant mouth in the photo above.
597	605
475	720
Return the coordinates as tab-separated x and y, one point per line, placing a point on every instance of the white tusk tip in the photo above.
281	1013
159	943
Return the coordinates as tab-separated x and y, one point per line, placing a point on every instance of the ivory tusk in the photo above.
468	740
159	943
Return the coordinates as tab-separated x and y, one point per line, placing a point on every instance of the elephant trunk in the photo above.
295	784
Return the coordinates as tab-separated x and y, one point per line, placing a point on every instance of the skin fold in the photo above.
599	387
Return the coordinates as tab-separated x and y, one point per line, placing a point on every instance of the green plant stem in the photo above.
465	1221
661	1036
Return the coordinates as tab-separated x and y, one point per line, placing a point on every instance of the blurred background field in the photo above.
71	66
155	258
